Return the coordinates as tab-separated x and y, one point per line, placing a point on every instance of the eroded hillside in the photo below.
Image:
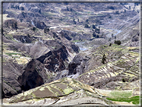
71	53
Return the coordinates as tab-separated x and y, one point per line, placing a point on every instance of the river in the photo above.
81	46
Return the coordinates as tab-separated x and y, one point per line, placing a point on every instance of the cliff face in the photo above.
37	69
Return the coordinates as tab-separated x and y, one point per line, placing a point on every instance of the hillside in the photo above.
88	48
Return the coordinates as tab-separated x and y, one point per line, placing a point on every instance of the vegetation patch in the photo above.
9	36
123	96
10	54
68	90
132	48
118	42
134	100
76	41
133	54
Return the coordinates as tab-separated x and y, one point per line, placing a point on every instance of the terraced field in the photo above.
122	64
59	93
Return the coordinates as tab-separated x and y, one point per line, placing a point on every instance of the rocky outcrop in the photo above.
71	36
22	15
77	65
54	60
39	24
27	16
34	75
17	6
74	36
135	38
35	9
37	69
12	23
10	14
67	35
75	48
24	39
46	29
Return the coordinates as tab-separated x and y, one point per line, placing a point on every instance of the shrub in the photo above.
118	42
34	28
87	20
93	26
46	29
86	26
104	59
74	21
123	80
117	12
95	35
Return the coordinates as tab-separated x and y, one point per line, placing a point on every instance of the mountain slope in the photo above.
121	64
59	92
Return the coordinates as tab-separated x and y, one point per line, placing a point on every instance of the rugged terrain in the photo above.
64	53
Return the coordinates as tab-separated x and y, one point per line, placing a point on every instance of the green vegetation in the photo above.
9	36
76	41
134	100
123	96
10	54
68	90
